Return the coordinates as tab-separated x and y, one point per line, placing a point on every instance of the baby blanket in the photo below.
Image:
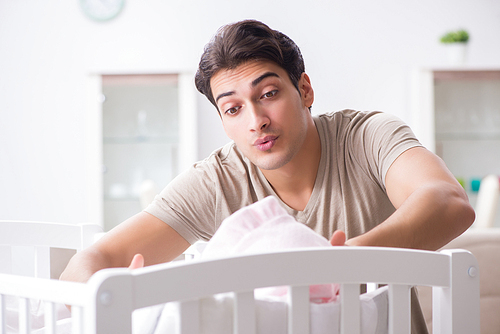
262	227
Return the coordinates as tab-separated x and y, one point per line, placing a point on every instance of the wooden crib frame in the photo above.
106	302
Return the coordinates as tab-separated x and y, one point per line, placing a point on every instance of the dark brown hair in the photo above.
237	43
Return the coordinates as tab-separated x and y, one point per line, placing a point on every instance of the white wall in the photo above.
358	53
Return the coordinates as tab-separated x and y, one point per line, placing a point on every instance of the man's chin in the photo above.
271	163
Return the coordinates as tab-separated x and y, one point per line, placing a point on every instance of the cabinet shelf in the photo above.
126	198
164	139
489	136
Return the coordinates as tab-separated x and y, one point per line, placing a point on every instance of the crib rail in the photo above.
453	275
28	244
105	303
45	234
50	291
61	292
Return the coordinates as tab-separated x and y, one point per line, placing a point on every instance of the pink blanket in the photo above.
266	227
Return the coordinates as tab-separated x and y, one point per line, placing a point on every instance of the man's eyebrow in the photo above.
254	83
223	95
263	76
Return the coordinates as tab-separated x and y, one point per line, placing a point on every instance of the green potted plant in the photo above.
459	36
456	43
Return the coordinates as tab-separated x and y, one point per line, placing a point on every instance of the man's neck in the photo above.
294	182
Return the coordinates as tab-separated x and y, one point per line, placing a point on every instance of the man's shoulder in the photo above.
350	120
221	167
347	115
226	157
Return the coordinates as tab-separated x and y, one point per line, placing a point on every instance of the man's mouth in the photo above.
266	143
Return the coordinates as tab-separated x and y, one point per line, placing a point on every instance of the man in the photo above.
363	176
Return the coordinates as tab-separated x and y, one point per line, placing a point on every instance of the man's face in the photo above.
262	111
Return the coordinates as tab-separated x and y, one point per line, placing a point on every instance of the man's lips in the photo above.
266	143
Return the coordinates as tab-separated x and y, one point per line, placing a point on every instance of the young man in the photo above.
350	174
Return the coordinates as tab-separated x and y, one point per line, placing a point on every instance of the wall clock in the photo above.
102	10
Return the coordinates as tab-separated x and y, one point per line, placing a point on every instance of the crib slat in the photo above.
77	322
371	287
50	318
350	315
24	316
399	309
42	262
189	317
244	313
298	313
5	259
3	326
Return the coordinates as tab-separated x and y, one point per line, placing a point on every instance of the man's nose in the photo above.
259	120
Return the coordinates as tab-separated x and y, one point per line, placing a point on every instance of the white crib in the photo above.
106	302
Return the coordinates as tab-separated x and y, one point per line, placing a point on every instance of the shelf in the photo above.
126	198
468	136
466	74
166	139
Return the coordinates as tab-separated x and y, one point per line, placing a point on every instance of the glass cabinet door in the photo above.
467	122
456	114
140	141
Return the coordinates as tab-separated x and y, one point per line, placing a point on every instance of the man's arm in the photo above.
432	208
141	234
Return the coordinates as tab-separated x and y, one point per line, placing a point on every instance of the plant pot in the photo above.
457	53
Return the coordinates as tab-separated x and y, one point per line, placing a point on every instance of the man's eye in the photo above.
232	111
270	94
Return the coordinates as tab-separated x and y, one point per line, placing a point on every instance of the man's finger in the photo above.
137	262
338	238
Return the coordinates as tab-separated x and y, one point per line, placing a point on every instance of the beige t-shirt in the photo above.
357	149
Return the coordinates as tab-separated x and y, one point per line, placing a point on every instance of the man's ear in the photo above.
306	90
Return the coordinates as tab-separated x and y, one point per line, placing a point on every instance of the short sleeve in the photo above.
187	204
377	139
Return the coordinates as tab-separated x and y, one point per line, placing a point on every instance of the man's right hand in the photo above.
142	237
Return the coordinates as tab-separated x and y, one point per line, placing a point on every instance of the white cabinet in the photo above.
456	114
143	132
